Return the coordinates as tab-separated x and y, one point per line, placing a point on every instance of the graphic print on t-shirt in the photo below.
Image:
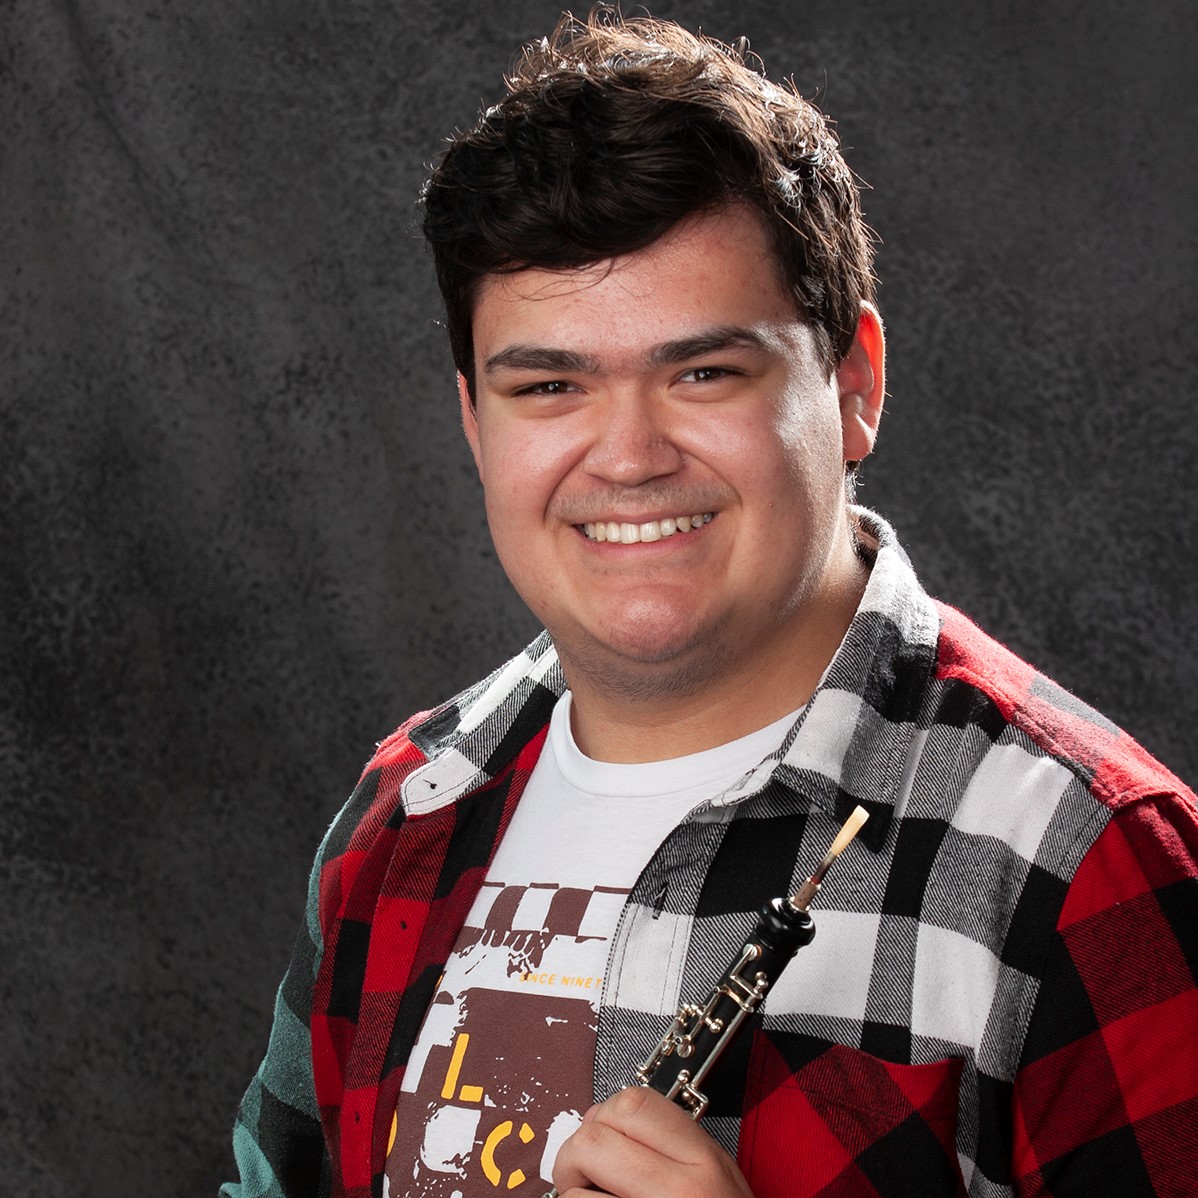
502	1070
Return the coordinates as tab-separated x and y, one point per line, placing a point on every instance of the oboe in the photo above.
698	1036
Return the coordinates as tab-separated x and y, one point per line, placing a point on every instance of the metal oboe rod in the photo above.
698	1036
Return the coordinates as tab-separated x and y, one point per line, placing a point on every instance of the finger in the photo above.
640	1145
653	1120
600	1158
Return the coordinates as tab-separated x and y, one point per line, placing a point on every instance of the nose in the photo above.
631	441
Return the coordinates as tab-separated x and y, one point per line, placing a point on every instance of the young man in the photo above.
659	296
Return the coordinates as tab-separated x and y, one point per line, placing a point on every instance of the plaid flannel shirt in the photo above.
1001	998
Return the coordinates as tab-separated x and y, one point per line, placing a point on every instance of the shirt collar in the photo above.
849	746
852	743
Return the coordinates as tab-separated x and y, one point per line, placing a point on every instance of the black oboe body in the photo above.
694	1042
696	1039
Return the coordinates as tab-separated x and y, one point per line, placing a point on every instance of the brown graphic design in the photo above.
502	1071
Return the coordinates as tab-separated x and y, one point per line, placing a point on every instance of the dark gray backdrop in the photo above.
241	538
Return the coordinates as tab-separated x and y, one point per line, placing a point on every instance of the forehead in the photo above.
711	269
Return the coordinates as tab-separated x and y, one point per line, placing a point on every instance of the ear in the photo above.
470	423
861	382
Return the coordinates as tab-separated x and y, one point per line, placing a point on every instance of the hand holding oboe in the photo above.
638	1143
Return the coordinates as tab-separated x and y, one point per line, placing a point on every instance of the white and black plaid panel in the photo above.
676	874
893	587
827	1028
624	1041
771	843
982	801
821	737
831	976
974	888
947	758
953	986
513	717
1075	825
1012	797
998	1052
834	727
645	964
888	1003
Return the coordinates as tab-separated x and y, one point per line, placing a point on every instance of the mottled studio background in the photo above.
240	538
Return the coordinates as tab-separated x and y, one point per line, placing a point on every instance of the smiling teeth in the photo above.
651	530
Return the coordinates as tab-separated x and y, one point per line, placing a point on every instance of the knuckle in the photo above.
586	1138
632	1100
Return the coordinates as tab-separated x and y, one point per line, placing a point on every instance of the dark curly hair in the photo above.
612	131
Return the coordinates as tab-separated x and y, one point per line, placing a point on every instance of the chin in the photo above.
646	667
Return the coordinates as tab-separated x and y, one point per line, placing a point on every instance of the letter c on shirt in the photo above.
497	1136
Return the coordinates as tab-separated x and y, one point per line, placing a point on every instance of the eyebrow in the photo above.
683	349
540	358
708	342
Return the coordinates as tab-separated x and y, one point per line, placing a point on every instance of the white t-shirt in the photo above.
501	1072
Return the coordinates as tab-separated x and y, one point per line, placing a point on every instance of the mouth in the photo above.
623	533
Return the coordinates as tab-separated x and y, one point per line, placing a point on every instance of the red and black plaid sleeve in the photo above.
1106	1098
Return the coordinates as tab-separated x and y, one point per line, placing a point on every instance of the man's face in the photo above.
673	391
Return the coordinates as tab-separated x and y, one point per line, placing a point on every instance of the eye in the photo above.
706	374
549	387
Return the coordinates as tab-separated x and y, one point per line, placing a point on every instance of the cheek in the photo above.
523	462
513	529
523	469
811	442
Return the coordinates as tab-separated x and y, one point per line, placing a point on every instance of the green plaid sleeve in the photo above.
278	1144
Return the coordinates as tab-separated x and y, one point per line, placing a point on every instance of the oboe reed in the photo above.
810	888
